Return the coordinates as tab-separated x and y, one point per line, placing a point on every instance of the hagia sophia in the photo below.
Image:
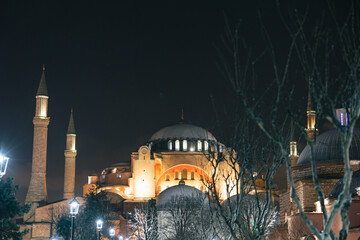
176	153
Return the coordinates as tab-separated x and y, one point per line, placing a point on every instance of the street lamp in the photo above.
3	165
99	225
121	237
112	233
74	210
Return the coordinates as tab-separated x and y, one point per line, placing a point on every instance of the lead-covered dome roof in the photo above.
328	148
179	193
182	131
355	183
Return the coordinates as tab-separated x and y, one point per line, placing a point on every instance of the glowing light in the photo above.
177	145
184	145
3	165
206	145
112	232
74	207
199	145
99	224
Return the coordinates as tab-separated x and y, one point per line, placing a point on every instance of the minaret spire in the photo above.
70	160
311	114
42	89
71	126
37	192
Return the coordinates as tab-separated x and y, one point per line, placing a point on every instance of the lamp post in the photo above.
112	233
3	165
74	210
99	225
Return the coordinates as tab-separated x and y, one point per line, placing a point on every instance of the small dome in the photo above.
182	131
355	183
328	148
178	192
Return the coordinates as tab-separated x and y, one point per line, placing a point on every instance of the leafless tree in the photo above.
240	186
328	53
184	217
145	221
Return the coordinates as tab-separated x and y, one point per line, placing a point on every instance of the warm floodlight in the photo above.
99	224
3	165
74	207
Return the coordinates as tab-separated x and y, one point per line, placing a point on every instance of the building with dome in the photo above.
327	153
174	153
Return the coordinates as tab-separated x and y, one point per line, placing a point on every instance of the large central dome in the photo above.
328	148
182	131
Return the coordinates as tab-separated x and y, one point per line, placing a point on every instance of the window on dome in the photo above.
206	145
167	177
159	189
191	146
201	177
176	175
192	176
199	146
184	145
170	145
184	174
212	147
177	145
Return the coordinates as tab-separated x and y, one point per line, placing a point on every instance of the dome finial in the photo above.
182	120
182	182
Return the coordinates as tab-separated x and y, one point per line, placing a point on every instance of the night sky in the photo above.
126	67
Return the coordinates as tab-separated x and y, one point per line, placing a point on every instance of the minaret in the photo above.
70	159
311	114
293	148
37	193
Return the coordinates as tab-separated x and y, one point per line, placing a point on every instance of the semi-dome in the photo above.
328	148
179	193
182	131
355	183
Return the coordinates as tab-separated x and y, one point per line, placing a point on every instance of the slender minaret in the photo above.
37	193
293	148
311	114
70	159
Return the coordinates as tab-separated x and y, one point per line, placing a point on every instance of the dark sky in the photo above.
126	67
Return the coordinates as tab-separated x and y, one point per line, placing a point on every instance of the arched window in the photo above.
191	146
177	145
192	176
159	189
285	216
176	175
212	147
167	177
184	145
199	146
206	146
170	145
184	174
201	177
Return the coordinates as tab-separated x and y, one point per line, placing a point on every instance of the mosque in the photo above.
173	154
179	153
